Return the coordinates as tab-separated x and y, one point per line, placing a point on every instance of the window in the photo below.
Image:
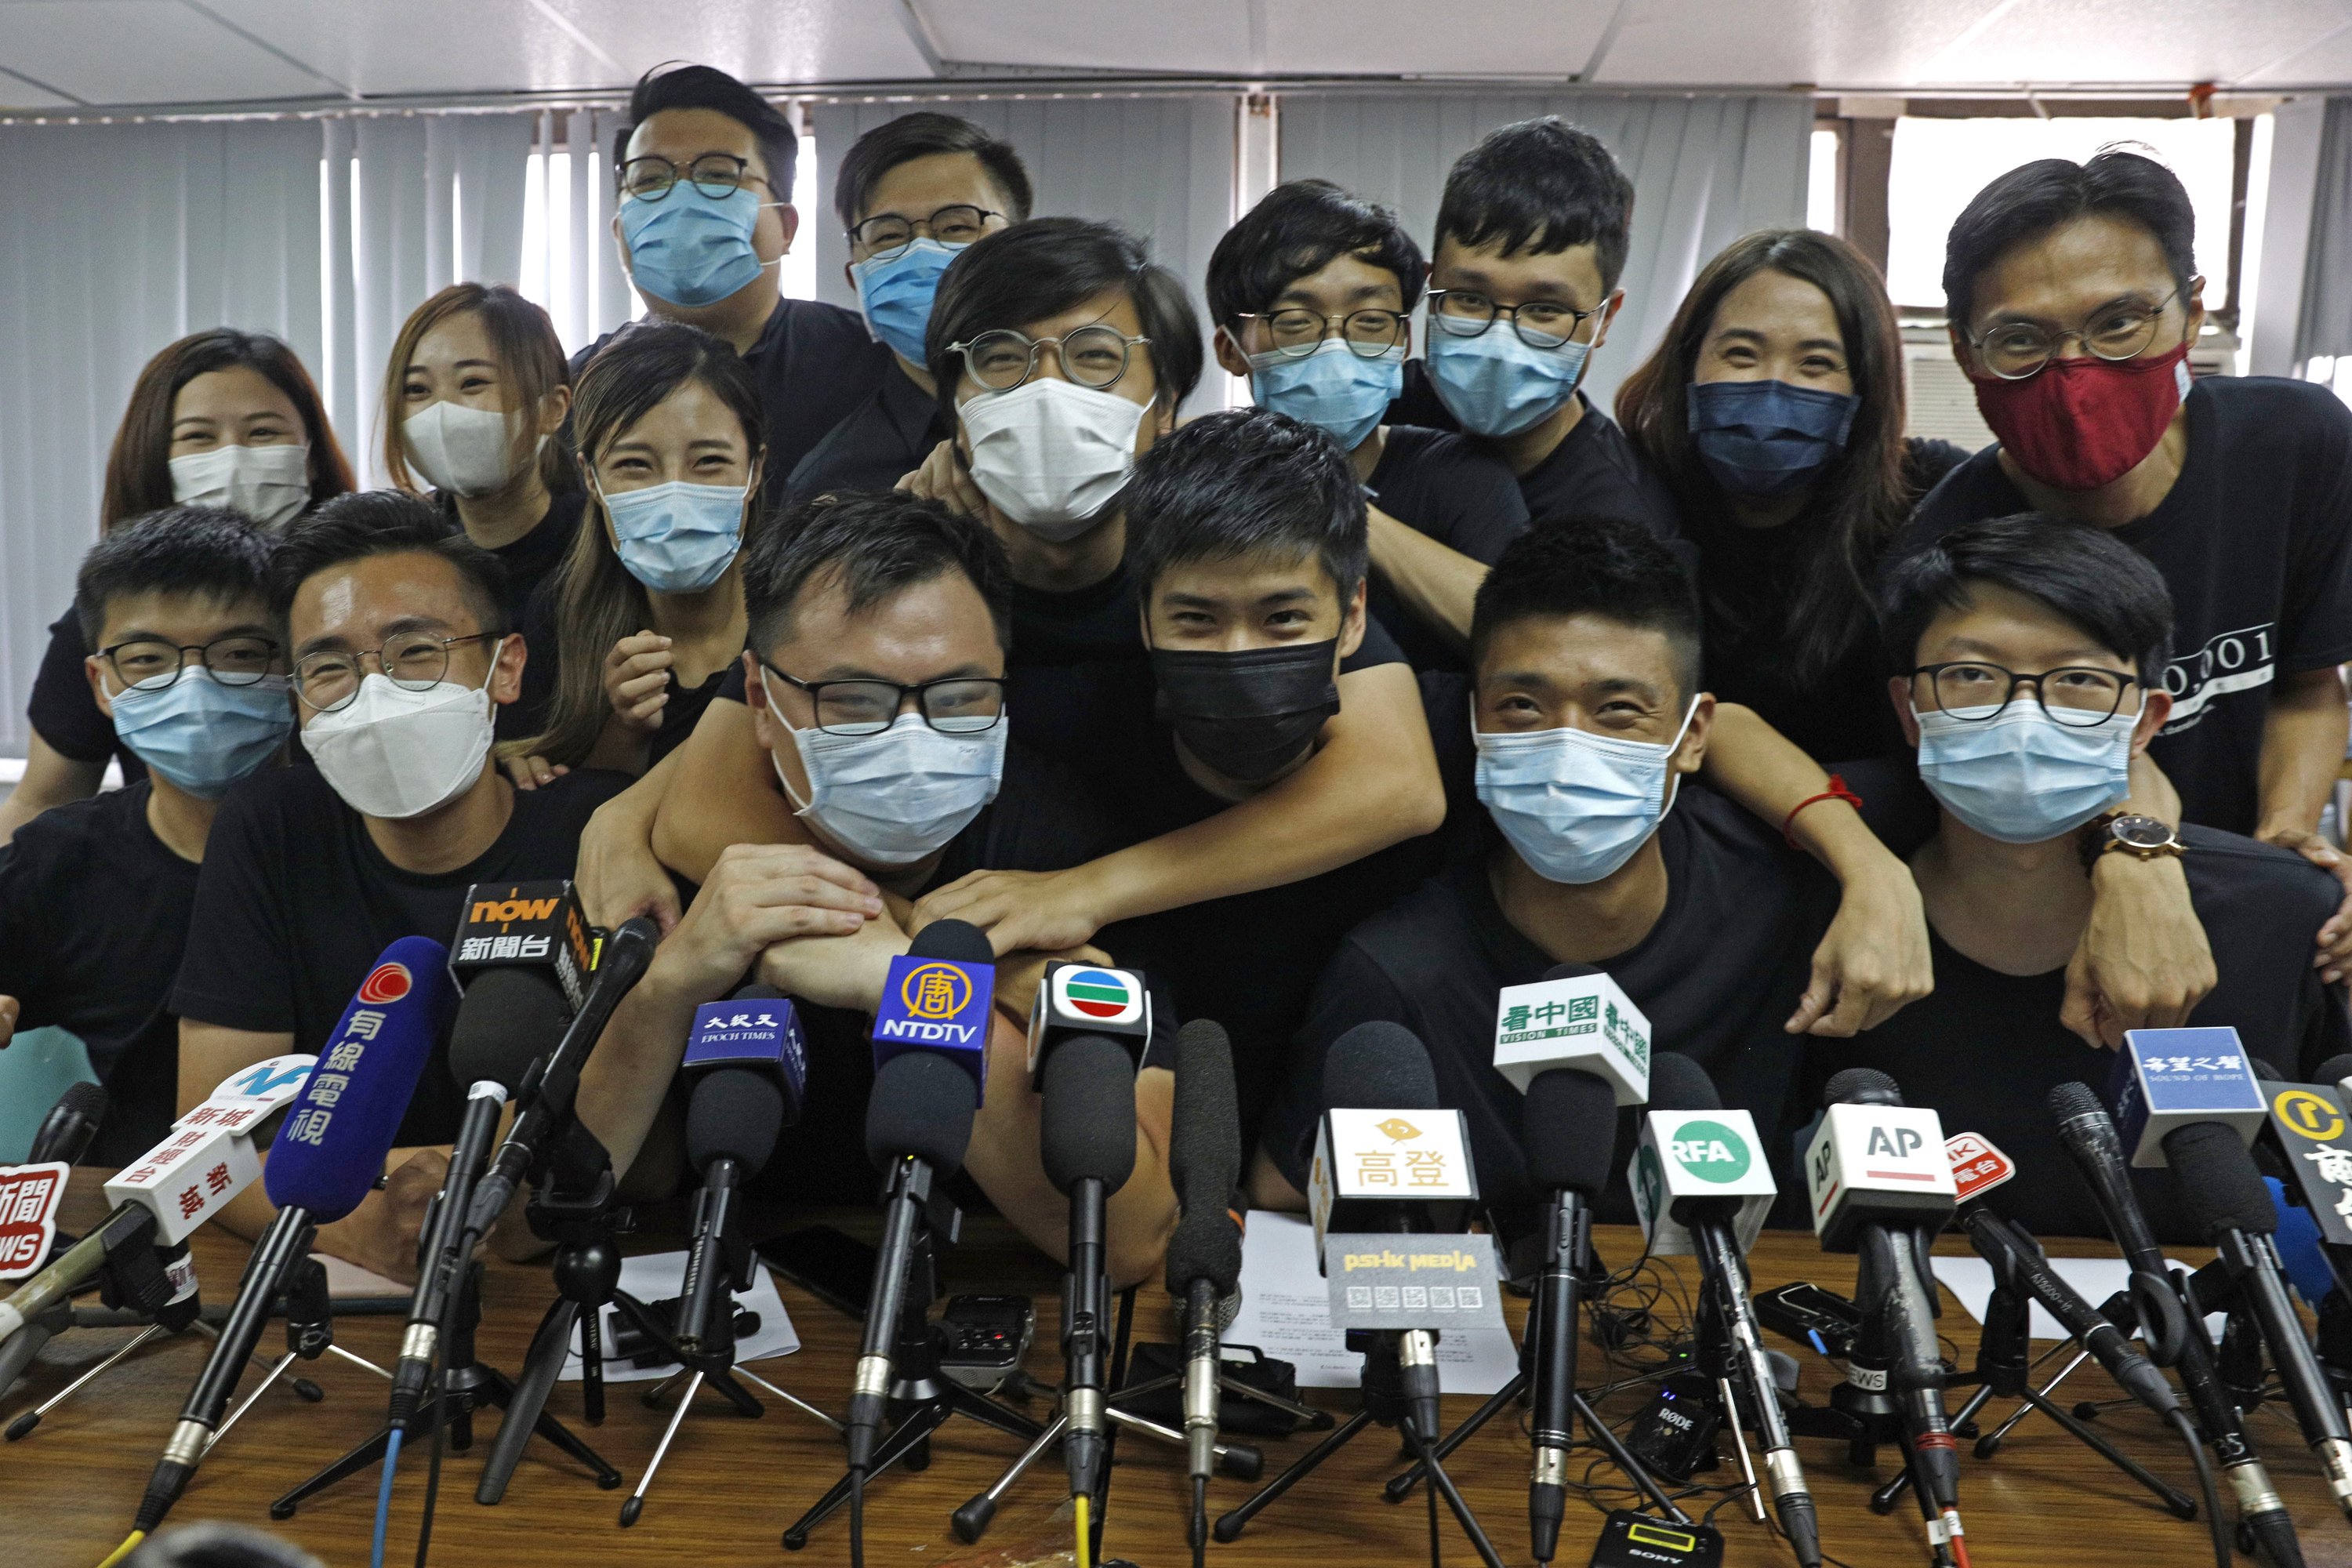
1824	198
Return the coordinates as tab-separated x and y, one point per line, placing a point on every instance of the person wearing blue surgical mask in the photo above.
912	194
647	610
96	896
2029	649
1313	293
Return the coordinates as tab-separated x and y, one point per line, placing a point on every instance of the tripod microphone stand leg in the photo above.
1229	1526
1740	1446
1401	1487
1444	1483
24	1425
637	1501
797	1403
1622	1457
910	1433
971	1520
541	1368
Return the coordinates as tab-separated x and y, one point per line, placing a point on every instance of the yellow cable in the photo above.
130	1544
1085	1535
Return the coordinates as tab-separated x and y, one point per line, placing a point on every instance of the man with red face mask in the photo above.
2074	302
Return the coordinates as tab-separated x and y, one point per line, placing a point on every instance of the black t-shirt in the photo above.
65	714
1716	976
1437	483
683	711
2255	540
813	363
93	912
1985	1048
881	441
529	562
296	903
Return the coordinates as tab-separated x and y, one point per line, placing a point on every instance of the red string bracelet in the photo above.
1837	791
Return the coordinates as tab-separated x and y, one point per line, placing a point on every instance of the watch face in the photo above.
2141	832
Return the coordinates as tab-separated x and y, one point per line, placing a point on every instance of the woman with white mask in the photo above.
221	417
645	611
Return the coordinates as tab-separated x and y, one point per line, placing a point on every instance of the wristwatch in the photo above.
2142	838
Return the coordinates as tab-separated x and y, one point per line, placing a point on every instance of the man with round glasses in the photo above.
400	656
2028	642
96	896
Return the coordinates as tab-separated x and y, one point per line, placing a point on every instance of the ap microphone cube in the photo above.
1585	1022
1699	1154
1883	1162
532	925
2165	1078
939	1005
761	1034
1076	999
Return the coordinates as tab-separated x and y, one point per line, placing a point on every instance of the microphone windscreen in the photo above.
922	1106
331	1152
1087	1125
1861	1086
2071	1098
735	1114
65	1134
1568	1125
1678	1083
1204	1246
507	1018
1379	1066
1570	971
2220	1187
958	941
1204	1153
2334	1069
2263	1069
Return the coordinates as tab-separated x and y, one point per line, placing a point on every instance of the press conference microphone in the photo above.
65	1132
325	1160
1678	1084
746	1063
2090	1139
1086	1137
2224	1195
1568	1127
1204	1254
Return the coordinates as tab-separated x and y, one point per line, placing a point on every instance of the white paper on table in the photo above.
657	1277
1287	1313
349	1282
1970	1279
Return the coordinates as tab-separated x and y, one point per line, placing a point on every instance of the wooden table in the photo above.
730	1486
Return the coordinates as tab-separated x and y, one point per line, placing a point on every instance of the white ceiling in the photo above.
64	54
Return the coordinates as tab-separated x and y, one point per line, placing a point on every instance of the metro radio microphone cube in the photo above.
525	925
2165	1078
939	1005
1882	1162
1074	999
2309	1122
1585	1022
1699	1154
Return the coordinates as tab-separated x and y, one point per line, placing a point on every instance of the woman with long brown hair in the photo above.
221	417
1774	406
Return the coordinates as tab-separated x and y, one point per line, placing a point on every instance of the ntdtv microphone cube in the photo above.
940	1005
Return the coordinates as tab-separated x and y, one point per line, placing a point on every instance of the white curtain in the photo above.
1162	167
2324	321
1705	170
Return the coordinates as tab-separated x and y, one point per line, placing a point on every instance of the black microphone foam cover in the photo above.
1569	1127
67	1129
2220	1187
1678	1083
1379	1066
922	1106
2071	1098
1861	1086
507	1018
958	941
735	1114
87	1101
2263	1069
1087	1125
2333	1069
1570	971
1205	1151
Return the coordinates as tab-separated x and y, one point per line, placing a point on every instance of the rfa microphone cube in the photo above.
761	1033
1699	1154
1076	999
939	1005
531	925
1586	1023
1876	1162
2165	1078
2309	1122
1366	1162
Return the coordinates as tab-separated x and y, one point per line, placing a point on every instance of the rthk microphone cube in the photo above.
532	925
1586	1023
1882	1162
1088	999
759	1033
1699	1154
2165	1078
940	1005
1366	1158
1978	1165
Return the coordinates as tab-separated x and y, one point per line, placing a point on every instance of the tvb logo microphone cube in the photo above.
1088	999
937	1004
1699	1154
2165	1078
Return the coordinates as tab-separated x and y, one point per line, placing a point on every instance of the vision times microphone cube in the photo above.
1587	1023
1699	1154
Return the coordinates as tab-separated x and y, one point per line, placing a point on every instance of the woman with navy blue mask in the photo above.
1774	406
647	611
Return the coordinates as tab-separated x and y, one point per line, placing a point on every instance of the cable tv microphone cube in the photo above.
1881	1162
1076	999
939	1005
759	1034
1585	1022
528	925
2165	1078
1699	1154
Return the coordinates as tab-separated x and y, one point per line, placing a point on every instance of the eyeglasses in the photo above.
1296	331
146	664
415	662
716	176
2015	350
2078	696
886	234
1091	356
960	705
1540	323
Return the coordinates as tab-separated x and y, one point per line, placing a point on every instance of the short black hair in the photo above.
384	523
2034	198
674	85
1049	265
1243	482
926	134
875	545
2081	573
214	1544
196	550
1603	566
1300	227
1540	185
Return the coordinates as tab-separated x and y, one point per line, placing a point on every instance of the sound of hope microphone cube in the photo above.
2165	1078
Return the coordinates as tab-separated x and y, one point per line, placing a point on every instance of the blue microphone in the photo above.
328	1156
937	998
747	1064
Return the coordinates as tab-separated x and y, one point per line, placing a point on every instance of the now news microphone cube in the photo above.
2309	1122
1366	1162
525	925
1880	1163
1076	999
940	1005
2165	1078
1699	1154
1586	1023
761	1034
